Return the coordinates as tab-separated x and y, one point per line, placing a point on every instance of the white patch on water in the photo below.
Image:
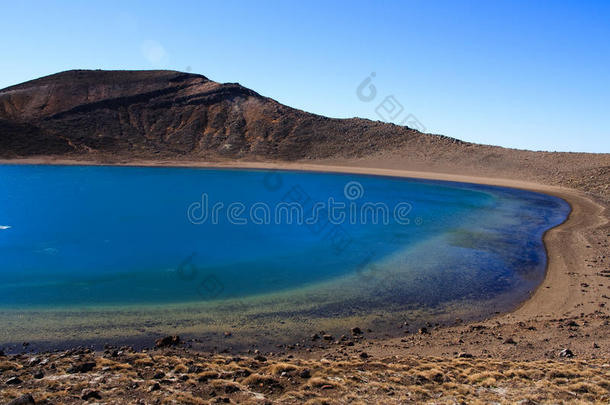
48	251
3	227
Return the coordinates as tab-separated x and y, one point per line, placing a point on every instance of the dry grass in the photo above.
195	379
279	368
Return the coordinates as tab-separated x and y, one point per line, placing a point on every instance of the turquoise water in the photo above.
74	237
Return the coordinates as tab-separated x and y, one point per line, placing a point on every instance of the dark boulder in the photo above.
167	341
13	381
82	367
26	399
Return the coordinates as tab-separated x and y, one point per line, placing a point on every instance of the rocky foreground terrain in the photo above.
175	376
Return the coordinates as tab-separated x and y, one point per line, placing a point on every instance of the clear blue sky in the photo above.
526	74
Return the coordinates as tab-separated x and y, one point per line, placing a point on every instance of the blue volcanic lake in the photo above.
262	243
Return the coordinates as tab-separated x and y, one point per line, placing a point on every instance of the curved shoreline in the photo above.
564	244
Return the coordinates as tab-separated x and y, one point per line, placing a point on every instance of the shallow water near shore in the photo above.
107	252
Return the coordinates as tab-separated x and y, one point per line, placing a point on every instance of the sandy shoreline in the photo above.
568	245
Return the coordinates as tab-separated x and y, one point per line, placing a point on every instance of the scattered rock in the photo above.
567	353
327	337
82	367
154	387
438	378
510	341
194	369
465	355
356	331
364	355
167	341
230	388
208	375
242	373
33	361
38	374
13	381
305	373
90	394
315	337
159	375
423	330
26	399
260	358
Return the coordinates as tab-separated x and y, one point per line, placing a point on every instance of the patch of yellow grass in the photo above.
226	386
426	375
144	362
187	399
584	387
480	378
114	365
260	380
317	382
9	365
279	368
207	375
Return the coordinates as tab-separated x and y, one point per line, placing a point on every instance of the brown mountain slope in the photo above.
152	113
